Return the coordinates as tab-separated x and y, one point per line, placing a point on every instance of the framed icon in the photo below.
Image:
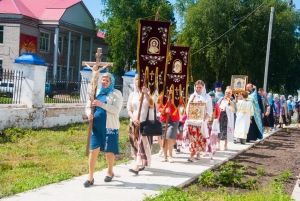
238	83
197	111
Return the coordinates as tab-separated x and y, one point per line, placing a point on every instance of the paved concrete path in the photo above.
128	187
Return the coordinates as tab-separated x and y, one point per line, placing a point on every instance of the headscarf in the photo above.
203	92
283	99
276	96
270	98
110	88
212	93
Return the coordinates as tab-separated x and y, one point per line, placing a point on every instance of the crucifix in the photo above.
151	74
176	89
94	84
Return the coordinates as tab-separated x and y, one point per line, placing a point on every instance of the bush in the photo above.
207	179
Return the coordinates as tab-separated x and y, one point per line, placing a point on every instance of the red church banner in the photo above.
153	53
28	44
177	75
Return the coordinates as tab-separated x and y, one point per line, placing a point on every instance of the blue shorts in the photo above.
108	141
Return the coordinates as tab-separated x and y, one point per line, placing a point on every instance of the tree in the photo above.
121	27
216	56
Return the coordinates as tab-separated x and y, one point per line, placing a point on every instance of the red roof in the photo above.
43	9
100	34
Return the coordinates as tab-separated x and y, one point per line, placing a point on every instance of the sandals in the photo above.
190	160
164	160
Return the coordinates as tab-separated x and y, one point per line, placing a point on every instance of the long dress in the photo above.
198	130
140	147
256	127
226	119
243	115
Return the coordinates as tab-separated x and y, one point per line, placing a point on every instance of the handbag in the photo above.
280	120
151	127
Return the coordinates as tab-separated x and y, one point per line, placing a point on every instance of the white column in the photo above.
56	37
69	53
33	87
91	48
79	57
298	95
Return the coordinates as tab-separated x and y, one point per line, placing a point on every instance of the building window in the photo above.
60	44
44	41
1	34
72	46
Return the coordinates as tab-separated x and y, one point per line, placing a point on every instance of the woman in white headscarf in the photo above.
198	130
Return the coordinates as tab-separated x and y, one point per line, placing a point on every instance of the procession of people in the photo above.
161	110
239	118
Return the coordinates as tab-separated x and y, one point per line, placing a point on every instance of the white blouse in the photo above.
133	105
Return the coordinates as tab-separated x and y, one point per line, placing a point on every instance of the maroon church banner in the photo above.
177	75
153	53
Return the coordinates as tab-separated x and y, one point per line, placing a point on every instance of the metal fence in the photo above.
56	91
10	86
64	91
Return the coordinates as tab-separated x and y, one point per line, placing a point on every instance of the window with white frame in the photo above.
44	41
72	46
1	34
60	44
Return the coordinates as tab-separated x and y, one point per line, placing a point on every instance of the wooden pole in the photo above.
168	114
137	128
92	98
156	16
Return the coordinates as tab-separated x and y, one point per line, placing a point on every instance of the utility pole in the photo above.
268	49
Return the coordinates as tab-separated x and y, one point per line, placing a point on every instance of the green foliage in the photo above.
231	174
271	192
121	28
251	184
13	134
207	179
284	177
261	172
5	166
243	49
170	195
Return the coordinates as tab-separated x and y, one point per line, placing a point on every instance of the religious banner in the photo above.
28	44
153	53
177	75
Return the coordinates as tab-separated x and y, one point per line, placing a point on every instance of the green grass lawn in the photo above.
273	192
34	158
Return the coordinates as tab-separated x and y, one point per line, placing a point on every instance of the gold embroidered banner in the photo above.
152	53
177	75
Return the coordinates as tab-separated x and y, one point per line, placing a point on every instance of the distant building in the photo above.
53	29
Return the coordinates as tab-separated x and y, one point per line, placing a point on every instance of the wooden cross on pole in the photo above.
94	85
98	62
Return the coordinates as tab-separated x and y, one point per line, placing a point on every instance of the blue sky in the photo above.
95	6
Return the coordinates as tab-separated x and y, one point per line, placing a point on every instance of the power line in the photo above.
230	28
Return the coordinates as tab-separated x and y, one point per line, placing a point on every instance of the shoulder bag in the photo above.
151	127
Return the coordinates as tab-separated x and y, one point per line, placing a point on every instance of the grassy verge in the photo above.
272	192
34	158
